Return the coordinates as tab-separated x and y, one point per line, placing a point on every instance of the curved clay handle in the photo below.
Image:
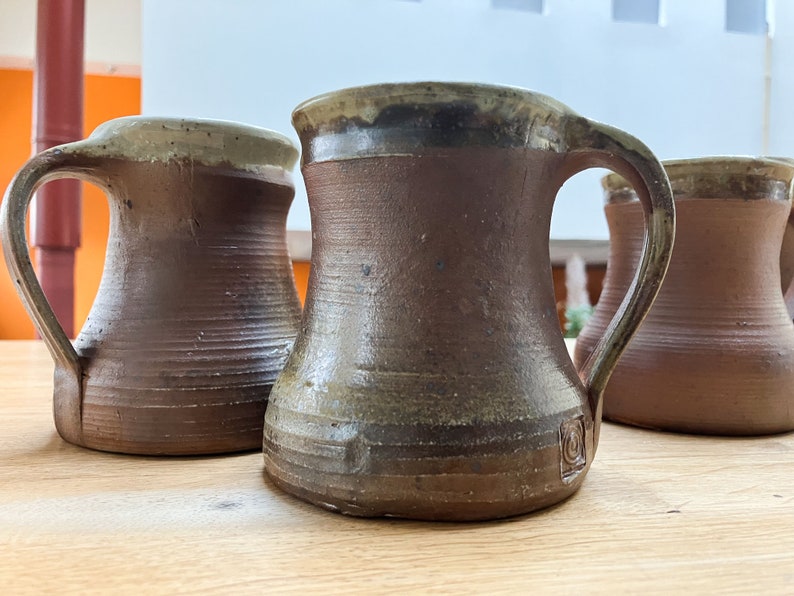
592	144
787	247
787	263
787	256
58	162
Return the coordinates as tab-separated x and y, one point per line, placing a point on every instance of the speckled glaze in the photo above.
197	307
430	379
716	353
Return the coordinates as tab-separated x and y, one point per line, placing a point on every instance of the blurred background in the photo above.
689	78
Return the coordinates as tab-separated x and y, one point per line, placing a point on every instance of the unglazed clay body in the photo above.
197	307
716	352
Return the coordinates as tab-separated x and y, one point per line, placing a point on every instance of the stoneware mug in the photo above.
716	353
197	307
430	378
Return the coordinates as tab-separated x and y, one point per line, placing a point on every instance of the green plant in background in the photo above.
577	301
575	319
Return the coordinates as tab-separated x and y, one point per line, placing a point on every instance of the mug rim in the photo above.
364	102
201	139
392	119
721	176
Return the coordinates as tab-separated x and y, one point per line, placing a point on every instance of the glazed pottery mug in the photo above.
430	379
197	307
716	353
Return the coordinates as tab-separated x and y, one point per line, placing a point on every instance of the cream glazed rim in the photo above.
716	177
207	141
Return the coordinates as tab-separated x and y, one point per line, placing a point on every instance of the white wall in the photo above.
112	35
687	88
781	131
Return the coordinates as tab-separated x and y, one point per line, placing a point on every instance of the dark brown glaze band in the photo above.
406	118
509	112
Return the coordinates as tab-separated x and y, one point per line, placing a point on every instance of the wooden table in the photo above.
657	513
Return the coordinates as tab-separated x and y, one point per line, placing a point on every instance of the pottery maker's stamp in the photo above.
573	454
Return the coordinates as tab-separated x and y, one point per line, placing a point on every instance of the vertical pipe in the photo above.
58	118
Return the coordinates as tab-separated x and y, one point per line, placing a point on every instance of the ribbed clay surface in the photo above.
430	379
716	353
196	312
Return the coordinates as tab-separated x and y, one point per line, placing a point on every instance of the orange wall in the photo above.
106	97
301	269
15	132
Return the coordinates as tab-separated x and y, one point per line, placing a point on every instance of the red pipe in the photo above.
58	118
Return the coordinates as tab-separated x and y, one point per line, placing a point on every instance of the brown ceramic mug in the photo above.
430	378
197	307
716	352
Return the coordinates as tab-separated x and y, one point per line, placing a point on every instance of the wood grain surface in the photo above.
658	513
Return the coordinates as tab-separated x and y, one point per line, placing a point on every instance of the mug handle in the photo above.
787	264
787	256
64	161
592	144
